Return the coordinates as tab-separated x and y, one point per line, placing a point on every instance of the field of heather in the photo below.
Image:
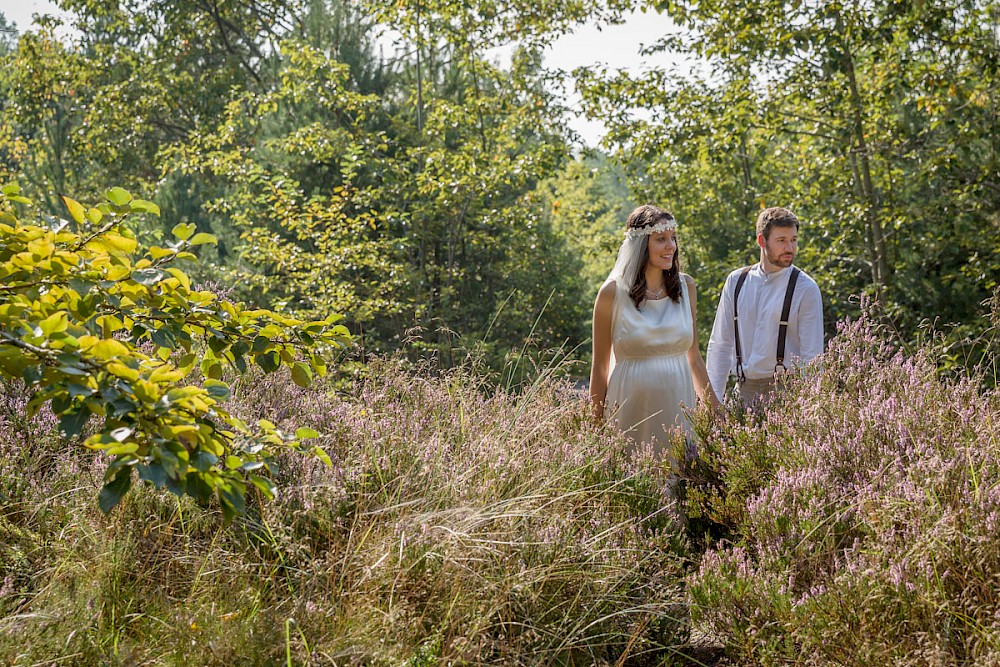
854	523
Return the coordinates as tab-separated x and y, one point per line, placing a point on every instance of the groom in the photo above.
770	315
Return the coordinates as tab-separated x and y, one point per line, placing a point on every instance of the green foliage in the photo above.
589	202
8	35
434	230
417	193
98	332
97	105
399	192
482	24
874	122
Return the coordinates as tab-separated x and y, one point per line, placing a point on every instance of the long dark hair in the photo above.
648	215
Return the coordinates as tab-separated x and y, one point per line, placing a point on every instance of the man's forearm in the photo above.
719	363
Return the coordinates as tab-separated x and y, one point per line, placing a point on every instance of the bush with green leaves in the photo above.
97	330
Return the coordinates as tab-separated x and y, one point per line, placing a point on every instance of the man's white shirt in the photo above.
761	299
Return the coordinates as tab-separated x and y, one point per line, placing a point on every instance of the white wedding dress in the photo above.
650	384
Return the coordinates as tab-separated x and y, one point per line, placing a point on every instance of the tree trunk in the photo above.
420	82
876	237
749	191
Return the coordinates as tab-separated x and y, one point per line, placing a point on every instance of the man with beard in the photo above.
770	315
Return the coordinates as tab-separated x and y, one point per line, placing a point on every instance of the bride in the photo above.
645	342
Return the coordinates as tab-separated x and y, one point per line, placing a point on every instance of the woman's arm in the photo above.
702	385
601	358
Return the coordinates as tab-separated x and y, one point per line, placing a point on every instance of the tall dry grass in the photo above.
459	523
855	522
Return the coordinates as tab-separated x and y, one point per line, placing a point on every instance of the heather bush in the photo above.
856	520
458	523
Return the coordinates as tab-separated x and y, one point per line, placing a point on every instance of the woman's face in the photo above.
661	247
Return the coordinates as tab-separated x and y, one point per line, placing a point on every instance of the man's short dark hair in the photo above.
775	217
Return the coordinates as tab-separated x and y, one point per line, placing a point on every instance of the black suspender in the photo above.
786	309
740	375
783	323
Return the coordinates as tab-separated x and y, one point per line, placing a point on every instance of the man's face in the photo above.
779	249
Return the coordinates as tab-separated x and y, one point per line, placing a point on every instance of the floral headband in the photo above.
636	232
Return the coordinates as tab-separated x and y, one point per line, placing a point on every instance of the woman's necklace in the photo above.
658	294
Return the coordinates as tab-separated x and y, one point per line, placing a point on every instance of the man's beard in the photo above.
777	260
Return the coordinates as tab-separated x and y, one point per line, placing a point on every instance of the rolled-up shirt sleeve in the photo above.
721	351
810	324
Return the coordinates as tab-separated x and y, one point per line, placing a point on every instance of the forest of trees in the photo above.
436	197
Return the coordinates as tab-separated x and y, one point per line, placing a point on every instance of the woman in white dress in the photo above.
647	367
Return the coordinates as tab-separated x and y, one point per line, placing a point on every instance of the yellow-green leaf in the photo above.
181	277
109	348
124	448
321	454
165	373
119	242
143	206
109	324
123	371
202	239
75	209
157	252
118	196
41	247
186	363
175	430
301	374
146	391
184	230
54	323
112	243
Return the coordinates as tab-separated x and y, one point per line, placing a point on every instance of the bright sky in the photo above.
614	46
20	11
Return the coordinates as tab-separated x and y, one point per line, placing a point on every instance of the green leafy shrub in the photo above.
97	331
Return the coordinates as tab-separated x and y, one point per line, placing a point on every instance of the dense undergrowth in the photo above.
854	522
457	523
861	515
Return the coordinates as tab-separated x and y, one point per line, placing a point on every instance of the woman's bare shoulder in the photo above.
608	291
606	297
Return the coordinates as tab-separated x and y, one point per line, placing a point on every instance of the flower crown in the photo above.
636	232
